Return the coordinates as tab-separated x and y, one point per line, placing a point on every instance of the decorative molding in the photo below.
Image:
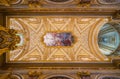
81	6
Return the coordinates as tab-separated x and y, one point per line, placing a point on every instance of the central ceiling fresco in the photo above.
33	29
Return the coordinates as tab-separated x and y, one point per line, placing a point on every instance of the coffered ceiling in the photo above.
33	29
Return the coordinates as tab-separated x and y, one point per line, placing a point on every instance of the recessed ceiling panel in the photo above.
81	31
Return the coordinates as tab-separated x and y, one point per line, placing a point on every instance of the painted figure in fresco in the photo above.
58	39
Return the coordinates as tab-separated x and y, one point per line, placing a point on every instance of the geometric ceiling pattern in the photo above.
33	28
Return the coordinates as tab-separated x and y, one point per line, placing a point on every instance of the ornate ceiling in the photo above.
33	28
35	18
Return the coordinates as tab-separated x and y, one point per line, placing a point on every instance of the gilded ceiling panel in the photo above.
33	29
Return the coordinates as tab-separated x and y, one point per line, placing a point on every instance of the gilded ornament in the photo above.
34	4
8	39
84	3
83	73
34	73
5	2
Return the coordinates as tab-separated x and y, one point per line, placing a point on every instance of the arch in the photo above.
93	39
52	76
107	77
16	2
61	2
113	2
17	76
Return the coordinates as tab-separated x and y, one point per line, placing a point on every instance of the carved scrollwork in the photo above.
5	2
34	74
34	4
84	75
84	3
8	39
